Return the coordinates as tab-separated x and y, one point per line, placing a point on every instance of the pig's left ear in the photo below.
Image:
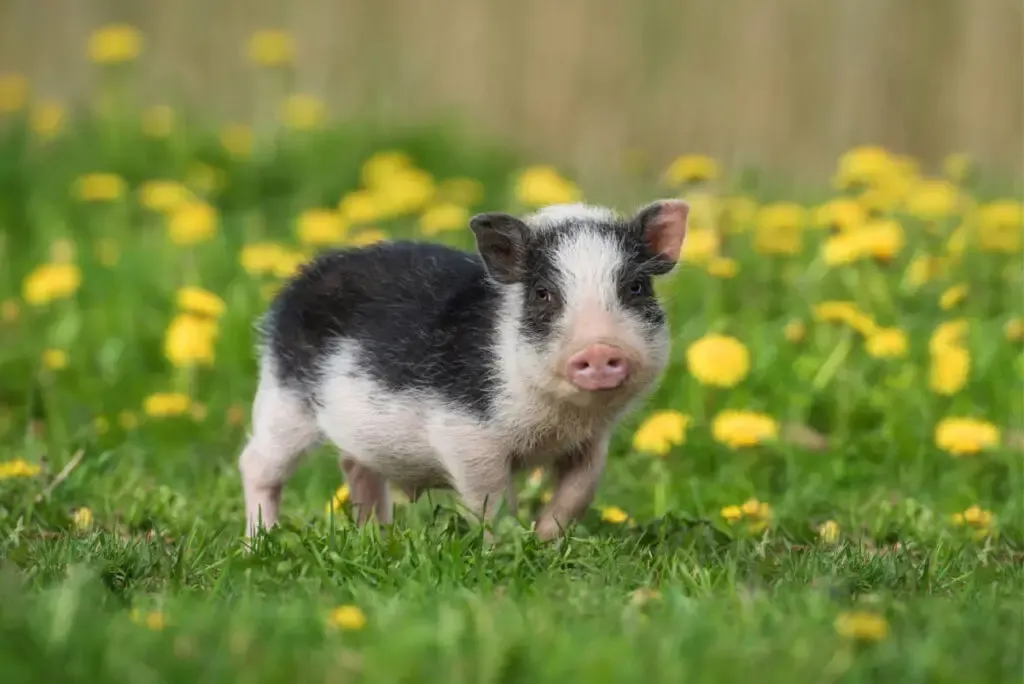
663	226
501	242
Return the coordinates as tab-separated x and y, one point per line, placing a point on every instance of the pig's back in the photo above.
408	315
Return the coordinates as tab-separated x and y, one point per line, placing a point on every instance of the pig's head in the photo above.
579	321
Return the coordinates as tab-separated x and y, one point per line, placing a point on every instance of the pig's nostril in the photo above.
614	362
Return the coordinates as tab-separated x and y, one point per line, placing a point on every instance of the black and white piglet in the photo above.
430	367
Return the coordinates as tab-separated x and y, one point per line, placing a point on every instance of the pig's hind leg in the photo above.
283	428
368	491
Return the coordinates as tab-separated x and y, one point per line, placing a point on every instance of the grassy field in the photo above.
827	485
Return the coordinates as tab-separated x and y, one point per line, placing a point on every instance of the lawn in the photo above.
826	486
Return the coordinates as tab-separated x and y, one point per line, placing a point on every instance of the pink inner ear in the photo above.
667	231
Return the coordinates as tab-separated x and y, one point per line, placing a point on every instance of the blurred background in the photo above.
598	86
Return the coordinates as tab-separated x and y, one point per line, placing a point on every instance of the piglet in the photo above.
430	367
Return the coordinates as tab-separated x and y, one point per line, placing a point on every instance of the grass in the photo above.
154	585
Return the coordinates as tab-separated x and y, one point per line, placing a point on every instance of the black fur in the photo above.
422	313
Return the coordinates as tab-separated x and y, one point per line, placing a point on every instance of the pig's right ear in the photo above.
501	241
663	226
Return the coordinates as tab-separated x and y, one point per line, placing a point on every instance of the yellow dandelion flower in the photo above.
405	192
732	513
341	496
193	222
158	121
756	510
99	187
862	626
738	429
368	237
614	515
320	227
349	618
444	217
271	47
154	619
701	245
47	119
953	296
923	269
949	369
691	168
55	359
779	228
260	258
829	531
977	516
163	196
237	140
718	360
382	166
288	264
887	343
199	301
841	214
723	267
540	186
461	191
50	282
844	248
82	518
949	333
1014	329
862	166
933	200
166	404
18	467
114	44
836	311
302	112
1000	226
361	207
661	431
190	340
795	331
13	93
965	436
883	238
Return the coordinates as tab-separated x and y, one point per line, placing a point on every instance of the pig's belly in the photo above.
404	437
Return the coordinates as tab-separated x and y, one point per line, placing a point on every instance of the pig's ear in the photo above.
663	226
501	241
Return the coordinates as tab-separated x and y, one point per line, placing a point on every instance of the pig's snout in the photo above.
598	367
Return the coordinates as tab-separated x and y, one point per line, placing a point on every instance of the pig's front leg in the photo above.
578	476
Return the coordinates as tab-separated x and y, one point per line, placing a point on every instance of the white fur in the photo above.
559	214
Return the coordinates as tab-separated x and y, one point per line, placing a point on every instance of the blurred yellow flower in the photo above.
660	431
302	112
883	238
863	165
540	186
368	237
844	248
163	196
446	216
723	267
320	227
614	515
862	626
779	228
198	412
976	517
51	281
705	209
737	429
949	370
948	333
55	359
933	200
829	531
953	296
739	213
382	166
115	43
190	341
47	119
196	300
350	618
288	264
757	513
237	139
692	168
82	518
841	214
360	207
964	436
795	331
956	167
1014	329
464	191
13	93
153	620
158	121
166	404
701	245
271	47
260	258
1000	226
887	343
18	467
732	513
718	360
923	269
99	187
341	496
406	192
193	222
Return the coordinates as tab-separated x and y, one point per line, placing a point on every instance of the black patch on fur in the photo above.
423	315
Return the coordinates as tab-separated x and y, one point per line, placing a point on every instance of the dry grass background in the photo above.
593	84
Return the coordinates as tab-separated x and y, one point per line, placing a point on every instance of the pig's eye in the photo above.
638	287
543	294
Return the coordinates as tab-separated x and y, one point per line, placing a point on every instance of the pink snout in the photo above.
598	367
